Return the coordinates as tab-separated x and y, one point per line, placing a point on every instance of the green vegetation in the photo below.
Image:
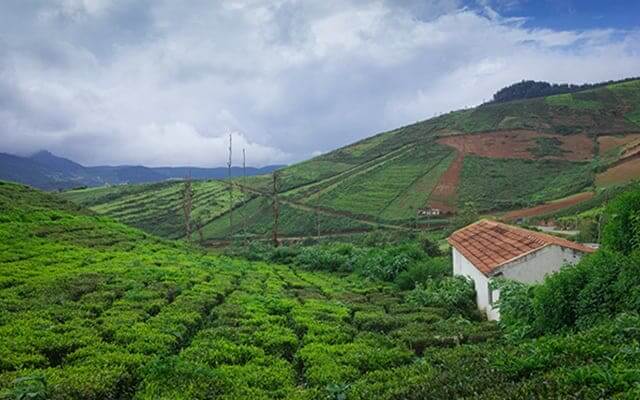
572	101
547	147
602	285
90	308
503	184
379	190
157	207
255	220
630	93
385	179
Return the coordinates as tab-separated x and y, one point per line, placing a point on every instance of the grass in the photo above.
572	101
157	208
502	184
416	195
629	92
257	217
375	191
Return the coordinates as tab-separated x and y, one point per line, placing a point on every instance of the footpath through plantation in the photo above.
93	309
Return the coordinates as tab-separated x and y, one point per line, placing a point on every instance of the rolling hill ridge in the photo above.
494	158
47	171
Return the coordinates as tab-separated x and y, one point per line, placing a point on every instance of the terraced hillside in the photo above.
158	207
93	309
496	157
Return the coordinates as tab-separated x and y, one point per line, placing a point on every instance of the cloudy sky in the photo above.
159	82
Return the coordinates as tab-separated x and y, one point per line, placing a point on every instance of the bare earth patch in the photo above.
607	143
623	172
503	144
547	208
519	144
443	196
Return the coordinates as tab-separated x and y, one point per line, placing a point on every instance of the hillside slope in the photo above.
494	158
93	309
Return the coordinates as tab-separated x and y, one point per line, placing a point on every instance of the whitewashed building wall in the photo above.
530	268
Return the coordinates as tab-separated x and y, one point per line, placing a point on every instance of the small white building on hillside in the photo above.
487	249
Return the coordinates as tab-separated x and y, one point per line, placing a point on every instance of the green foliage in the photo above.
466	215
373	190
572	101
547	147
497	184
622	231
158	207
601	285
452	293
515	304
91	309
429	246
421	272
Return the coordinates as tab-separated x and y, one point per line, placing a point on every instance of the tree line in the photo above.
527	89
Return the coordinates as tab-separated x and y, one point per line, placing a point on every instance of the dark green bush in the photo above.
451	292
421	272
622	230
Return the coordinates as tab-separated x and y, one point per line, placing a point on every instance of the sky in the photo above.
163	82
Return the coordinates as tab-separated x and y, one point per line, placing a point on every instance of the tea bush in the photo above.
91	309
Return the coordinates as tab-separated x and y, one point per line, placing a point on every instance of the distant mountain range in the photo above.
47	171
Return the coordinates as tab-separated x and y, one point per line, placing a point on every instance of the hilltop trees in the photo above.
530	89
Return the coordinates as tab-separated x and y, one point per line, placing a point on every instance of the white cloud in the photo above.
159	82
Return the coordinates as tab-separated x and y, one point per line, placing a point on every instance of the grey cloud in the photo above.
160	82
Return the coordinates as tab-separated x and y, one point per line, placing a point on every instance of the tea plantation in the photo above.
92	309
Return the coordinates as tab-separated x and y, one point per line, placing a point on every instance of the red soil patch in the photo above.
443	195
518	144
607	143
547	208
622	172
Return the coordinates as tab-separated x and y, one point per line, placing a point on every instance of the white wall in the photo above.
531	268
463	267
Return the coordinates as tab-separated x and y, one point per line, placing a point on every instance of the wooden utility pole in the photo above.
244	194
276	209
187	205
230	190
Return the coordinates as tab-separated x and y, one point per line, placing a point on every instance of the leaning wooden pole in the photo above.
244	194
187	205
230	190
276	209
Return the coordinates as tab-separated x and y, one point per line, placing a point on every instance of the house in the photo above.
487	249
429	212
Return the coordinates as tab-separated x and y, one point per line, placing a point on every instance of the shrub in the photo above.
516	305
429	246
622	230
327	259
421	272
451	292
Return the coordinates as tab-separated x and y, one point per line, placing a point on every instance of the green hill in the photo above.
93	309
495	157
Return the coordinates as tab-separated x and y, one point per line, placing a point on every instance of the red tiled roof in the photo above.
490	244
